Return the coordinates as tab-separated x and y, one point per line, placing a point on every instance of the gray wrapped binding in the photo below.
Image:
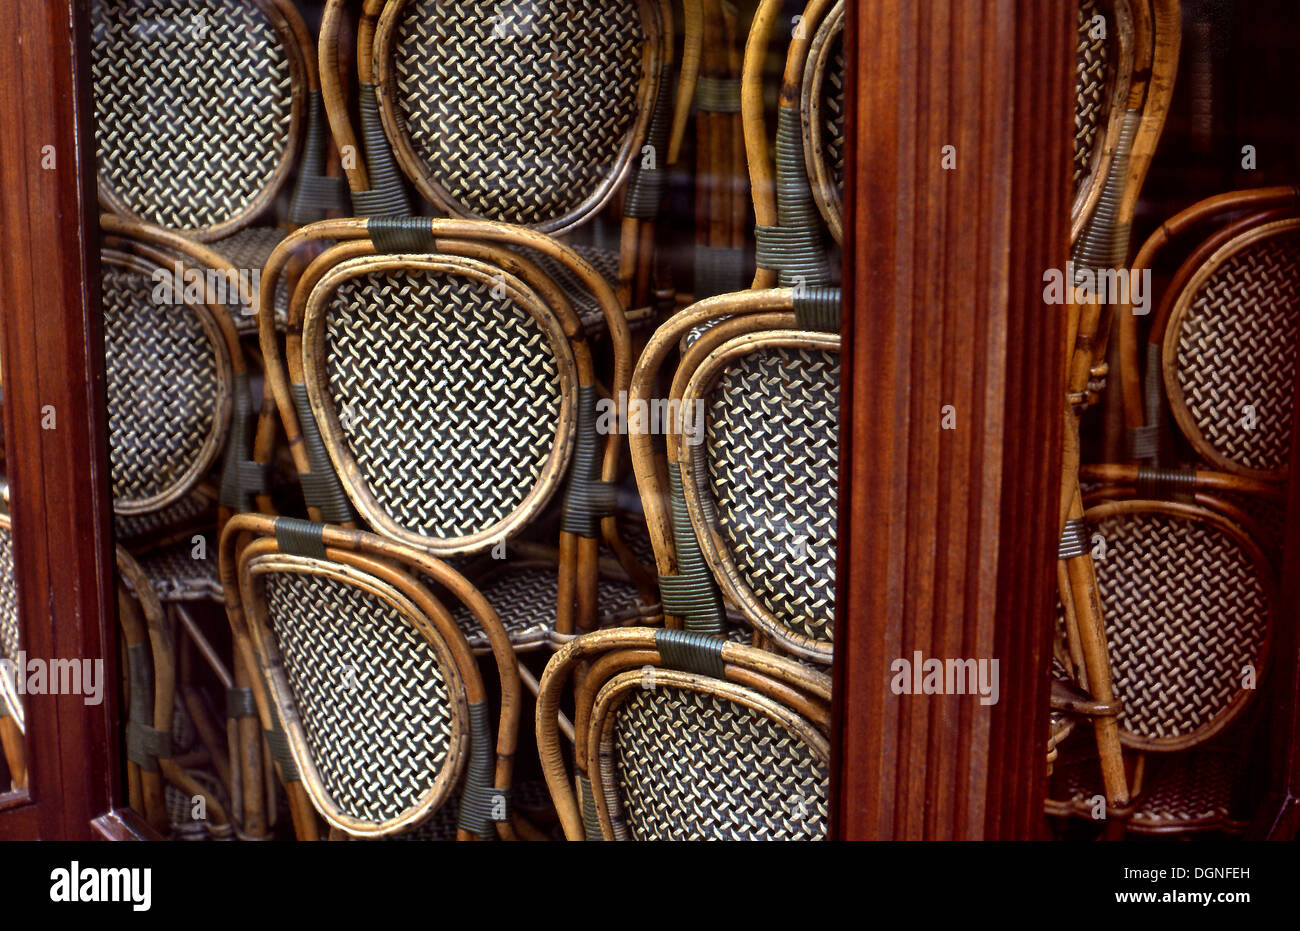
794	248
1153	398
321	487
818	309
689	651
241	476
1177	484
139	673
719	271
590	820
316	194
240	703
1104	241
396	235
145	745
692	593
300	537
278	743
717	95
1074	539
645	189
587	498
1144	442
387	194
480	800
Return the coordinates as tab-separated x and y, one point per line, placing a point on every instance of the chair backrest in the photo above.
383	707
446	394
1188	644
1104	70
761	482
169	379
199	108
531	112
1229	351
822	103
684	736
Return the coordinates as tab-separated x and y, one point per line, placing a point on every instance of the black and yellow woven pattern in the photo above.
448	397
163	371
193	107
1186	613
773	455
693	766
1237	353
1091	85
518	111
369	691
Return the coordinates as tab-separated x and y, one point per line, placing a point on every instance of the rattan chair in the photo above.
751	507
1189	595
535	114
365	683
1222	347
441	310
1127	56
684	736
152	767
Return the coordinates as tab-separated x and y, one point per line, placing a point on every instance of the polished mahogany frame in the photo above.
946	542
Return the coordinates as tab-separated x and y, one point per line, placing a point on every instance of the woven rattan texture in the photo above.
372	699
584	302
1185	789
162	382
248	251
519	110
773	453
448	397
182	512
1237	347
177	574
192	106
525	600
695	766
9	642
1091	83
833	111
1185	614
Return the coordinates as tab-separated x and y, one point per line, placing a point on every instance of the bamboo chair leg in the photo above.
305	824
250	754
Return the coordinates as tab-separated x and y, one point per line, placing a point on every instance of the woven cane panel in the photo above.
192	107
372	699
692	766
1185	614
525	600
182	512
162	383
1091	86
773	449
1237	347
177	575
833	111
248	251
584	302
518	109
9	642
448	398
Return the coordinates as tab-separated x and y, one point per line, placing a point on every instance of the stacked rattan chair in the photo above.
536	114
686	736
1127	58
203	112
1189	644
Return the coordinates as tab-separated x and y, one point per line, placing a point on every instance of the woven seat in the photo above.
248	250
1229	352
671	745
166	374
191	510
523	114
10	638
1181	639
772	456
176	575
198	109
382	706
1195	791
